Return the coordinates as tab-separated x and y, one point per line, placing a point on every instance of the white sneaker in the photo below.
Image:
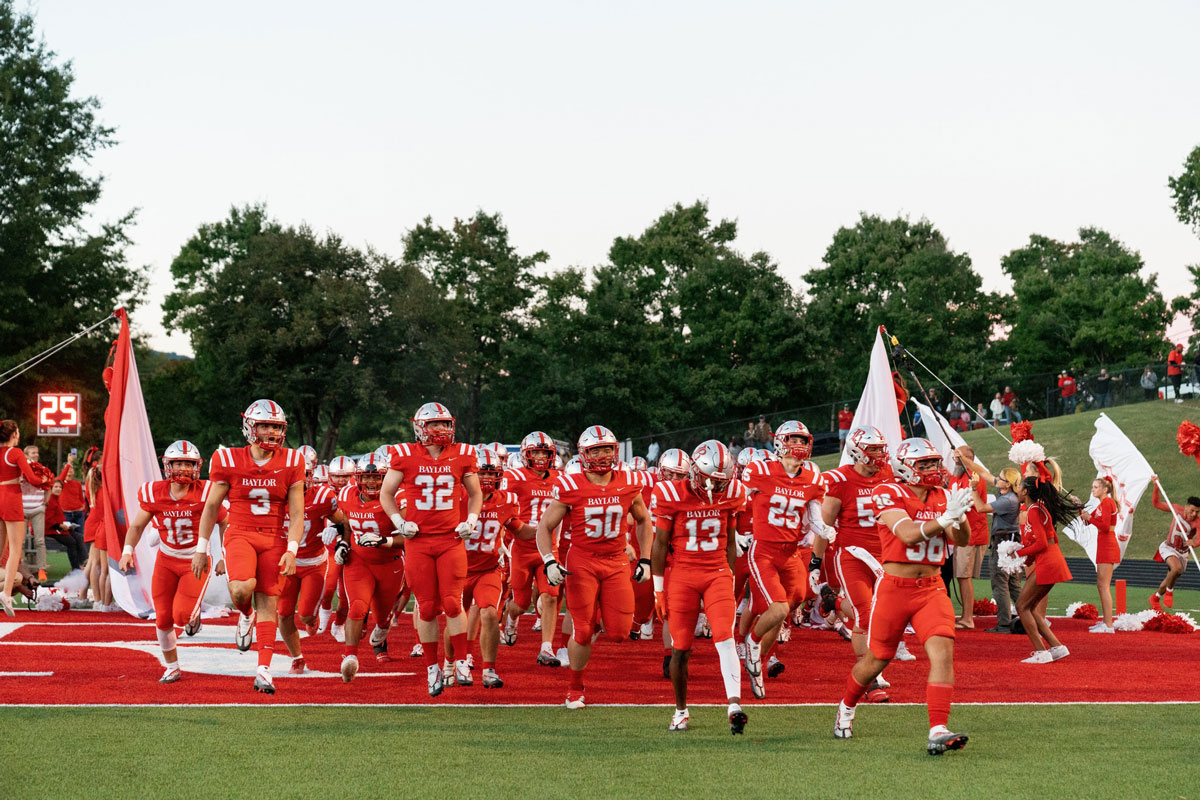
508	636
843	723
323	617
417	651
491	680
263	682
740	648
1103	629
753	660
378	636
902	653
434	674
462	673
1059	652
349	667
537	624
679	720
564	658
338	632
1038	657
244	633
647	631
172	674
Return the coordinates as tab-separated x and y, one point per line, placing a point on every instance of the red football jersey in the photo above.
598	512
855	522
364	516
434	486
778	501
257	492
534	495
699	529
898	496
500	511
177	521
319	504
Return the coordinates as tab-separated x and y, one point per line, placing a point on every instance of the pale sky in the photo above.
582	122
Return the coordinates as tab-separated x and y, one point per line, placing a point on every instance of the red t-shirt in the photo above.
889	496
1067	385
71	498
434	486
500	512
597	517
257	492
1175	363
699	530
1008	398
845	420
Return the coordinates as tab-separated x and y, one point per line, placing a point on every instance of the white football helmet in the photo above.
515	461
638	464
574	466
310	463
558	462
744	457
490	470
181	462
320	474
368	474
341	470
593	438
918	463
867	446
674	465
538	451
258	413
793	439
712	469
433	412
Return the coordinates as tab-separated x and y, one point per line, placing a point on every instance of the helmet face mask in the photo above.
918	463
434	425
867	446
491	468
181	462
712	470
598	448
368	474
264	425
793	439
341	469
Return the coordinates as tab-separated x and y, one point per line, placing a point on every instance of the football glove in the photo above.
641	573
554	572
341	552
407	529
743	540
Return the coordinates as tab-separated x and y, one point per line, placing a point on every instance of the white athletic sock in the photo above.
731	671
324	615
166	639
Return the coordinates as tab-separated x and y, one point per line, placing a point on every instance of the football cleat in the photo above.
679	720
737	719
563	656
753	660
244	632
508	636
172	674
546	656
1059	652
297	667
193	626
785	633
775	667
491	680
417	651
462	673
434	674
941	742
338	632
877	696
741	651
574	699
470	659
323	617
349	667
843	723
756	686
1038	657
902	653
447	674
635	633
647	631
703	630
842	630
381	652
263	682
880	682
537	624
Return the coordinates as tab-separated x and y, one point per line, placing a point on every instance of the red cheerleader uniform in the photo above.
1104	516
1049	566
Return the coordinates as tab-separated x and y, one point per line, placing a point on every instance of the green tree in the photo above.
903	275
59	276
1081	305
489	286
1185	191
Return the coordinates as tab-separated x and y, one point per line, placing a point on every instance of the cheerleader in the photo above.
1108	552
13	467
1045	508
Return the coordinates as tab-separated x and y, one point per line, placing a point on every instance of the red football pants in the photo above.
923	601
857	580
301	592
176	591
686	589
436	569
254	556
373	586
483	589
525	573
603	582
776	575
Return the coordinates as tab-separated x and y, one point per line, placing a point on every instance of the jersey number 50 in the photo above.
603	521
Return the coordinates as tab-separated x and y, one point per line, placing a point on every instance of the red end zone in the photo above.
76	658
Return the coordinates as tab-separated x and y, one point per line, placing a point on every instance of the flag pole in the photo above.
1178	521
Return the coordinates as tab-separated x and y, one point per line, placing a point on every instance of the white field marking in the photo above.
427	706
213	660
208	634
25	674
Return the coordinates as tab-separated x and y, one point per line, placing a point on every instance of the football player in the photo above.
341	472
786	506
533	485
174	506
264	482
693	520
434	473
597	502
916	519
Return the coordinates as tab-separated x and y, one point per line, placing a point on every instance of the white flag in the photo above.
877	406
1117	459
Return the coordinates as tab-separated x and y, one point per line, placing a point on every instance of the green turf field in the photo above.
1150	426
1030	751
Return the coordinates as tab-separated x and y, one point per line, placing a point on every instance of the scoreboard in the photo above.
58	414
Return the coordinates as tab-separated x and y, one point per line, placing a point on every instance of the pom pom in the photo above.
1134	622
1167	623
51	600
43	472
1082	611
984	608
1024	452
1021	432
1188	619
1188	437
1007	561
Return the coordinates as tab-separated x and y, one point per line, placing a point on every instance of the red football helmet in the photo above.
793	439
918	463
538	451
368	473
181	462
866	445
433	412
490	470
264	412
594	438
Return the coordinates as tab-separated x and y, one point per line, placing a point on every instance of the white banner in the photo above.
1117	459
877	406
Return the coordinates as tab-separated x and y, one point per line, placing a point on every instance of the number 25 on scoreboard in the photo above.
58	415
